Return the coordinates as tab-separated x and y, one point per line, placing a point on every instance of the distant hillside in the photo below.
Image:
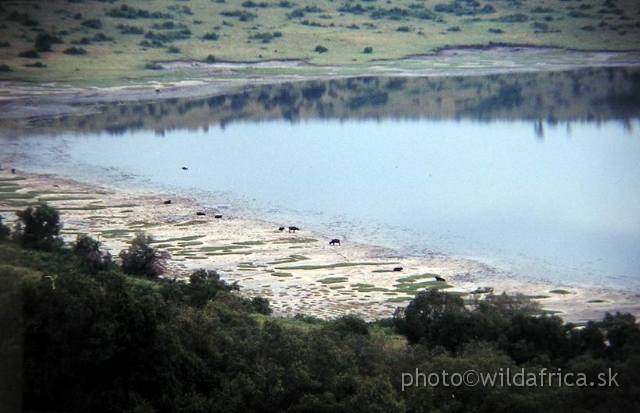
114	40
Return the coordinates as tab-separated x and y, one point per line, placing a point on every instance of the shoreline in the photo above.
299	271
21	101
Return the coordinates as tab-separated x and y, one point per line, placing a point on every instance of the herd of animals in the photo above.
333	242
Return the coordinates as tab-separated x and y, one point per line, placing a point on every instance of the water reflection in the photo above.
547	97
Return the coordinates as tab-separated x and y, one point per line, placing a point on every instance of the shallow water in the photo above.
563	208
551	199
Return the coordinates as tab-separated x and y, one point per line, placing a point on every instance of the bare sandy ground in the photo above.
298	271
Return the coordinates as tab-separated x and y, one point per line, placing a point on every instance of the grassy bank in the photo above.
116	42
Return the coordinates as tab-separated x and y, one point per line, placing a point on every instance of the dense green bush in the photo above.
36	64
44	41
39	228
143	259
93	23
91	260
30	53
78	51
210	36
320	49
126	29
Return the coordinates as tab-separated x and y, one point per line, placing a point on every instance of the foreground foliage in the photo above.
95	339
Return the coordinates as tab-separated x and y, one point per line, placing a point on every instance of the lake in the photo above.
537	174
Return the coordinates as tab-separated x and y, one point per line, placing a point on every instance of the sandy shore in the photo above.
298	271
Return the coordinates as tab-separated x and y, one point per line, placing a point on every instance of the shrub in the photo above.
320	49
101	37
77	51
126	29
142	259
92	24
514	18
44	41
36	64
349	324
368	50
173	49
153	43
5	44
5	68
261	305
210	36
403	29
211	58
266	37
242	15
39	228
90	258
30	53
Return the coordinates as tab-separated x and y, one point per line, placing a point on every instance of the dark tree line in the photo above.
85	336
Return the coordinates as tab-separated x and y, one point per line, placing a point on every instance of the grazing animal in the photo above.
200	213
439	278
334	241
397	269
167	202
280	228
184	168
294	229
217	216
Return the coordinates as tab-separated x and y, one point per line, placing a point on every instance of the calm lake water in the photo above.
551	199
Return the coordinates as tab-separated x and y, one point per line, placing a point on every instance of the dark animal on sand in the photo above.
397	269
294	229
217	216
334	241
184	168
167	202
280	228
200	213
439	278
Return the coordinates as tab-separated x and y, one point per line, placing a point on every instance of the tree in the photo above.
90	257
424	313
39	228
142	259
204	286
261	305
44	41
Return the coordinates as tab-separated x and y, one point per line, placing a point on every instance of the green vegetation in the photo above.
142	259
141	31
39	228
83	336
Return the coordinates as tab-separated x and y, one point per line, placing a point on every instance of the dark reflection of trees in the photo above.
579	95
